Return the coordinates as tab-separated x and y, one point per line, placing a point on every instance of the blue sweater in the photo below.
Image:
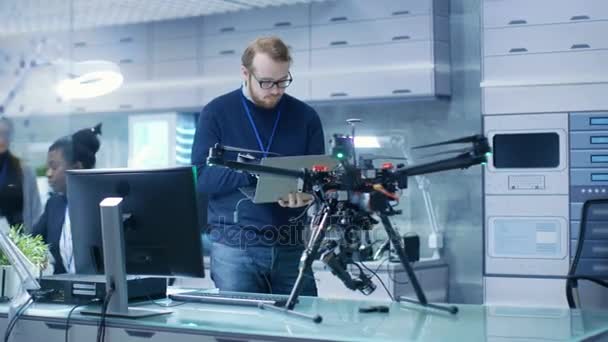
225	121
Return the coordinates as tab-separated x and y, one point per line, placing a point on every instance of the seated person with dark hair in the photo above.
71	152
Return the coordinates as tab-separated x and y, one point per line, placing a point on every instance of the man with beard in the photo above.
256	247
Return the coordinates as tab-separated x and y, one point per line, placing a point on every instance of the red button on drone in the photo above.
387	166
320	168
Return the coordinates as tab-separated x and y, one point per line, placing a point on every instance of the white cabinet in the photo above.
175	70
539	60
381	49
175	98
171	29
501	13
547	68
361	72
329	12
178	89
127	52
133	73
298	39
410	28
258	19
174	49
134	33
570	37
120	100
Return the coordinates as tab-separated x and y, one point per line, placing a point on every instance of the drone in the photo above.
348	199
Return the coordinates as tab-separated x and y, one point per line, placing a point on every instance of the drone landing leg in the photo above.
308	256
421	298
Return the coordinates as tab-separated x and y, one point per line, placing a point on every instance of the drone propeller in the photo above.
470	139
244	150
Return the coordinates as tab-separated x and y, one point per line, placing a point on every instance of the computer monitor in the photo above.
162	234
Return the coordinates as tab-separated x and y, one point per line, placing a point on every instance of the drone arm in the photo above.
462	161
213	180
216	158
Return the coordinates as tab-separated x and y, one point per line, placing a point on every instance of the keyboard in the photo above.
230	298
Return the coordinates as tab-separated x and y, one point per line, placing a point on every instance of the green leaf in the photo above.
33	247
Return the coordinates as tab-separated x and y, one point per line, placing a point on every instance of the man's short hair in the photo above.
273	46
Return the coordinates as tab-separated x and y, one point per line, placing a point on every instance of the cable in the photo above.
67	323
297	218
393	279
591	279
235	213
13	321
388	292
101	330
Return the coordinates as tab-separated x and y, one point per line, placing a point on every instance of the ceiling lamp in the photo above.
89	79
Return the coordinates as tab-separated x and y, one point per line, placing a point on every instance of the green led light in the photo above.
340	155
488	154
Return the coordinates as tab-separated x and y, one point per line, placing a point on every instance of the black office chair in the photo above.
573	277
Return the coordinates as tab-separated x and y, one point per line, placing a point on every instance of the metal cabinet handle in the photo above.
338	94
401	12
282	24
227	29
126	61
600	268
600	231
339	42
580	17
125	106
401	91
514	50
126	40
227	52
138	333
57	326
518	22
597	249
338	19
580	46
80	44
401	37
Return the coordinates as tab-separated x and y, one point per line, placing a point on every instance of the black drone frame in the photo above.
477	154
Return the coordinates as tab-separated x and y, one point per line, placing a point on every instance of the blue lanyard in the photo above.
255	129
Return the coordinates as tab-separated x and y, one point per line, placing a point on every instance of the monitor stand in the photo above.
114	265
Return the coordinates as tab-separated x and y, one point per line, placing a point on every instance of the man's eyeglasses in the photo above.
264	84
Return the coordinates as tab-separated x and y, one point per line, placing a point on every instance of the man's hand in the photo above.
297	200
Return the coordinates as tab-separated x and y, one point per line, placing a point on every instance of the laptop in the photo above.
271	188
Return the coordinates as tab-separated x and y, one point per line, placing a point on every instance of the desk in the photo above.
342	322
432	275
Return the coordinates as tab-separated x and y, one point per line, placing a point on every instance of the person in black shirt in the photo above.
19	197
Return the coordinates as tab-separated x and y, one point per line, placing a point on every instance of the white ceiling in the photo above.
30	16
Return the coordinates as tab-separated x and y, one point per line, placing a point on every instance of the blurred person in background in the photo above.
19	197
76	151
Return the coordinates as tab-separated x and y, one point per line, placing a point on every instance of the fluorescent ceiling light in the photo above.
89	79
366	142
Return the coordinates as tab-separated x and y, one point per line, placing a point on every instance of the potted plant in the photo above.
33	247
